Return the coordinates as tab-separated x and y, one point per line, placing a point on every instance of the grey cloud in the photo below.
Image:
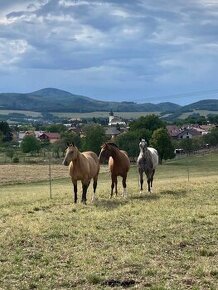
145	43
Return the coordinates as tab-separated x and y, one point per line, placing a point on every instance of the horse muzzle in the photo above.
65	163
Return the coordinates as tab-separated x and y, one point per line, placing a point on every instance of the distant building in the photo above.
51	137
115	120
112	132
186	132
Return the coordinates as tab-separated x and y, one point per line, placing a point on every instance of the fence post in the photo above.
49	173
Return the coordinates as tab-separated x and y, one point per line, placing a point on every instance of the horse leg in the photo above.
124	186
149	187
115	185
85	186
113	177
149	182
95	182
152	176
141	180
75	191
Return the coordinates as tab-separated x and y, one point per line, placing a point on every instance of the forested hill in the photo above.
55	100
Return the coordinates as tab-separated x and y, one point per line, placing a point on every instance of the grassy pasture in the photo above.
164	240
201	112
127	115
26	113
79	115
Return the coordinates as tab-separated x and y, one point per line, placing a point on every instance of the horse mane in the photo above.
112	144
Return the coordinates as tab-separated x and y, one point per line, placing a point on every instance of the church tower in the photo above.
111	116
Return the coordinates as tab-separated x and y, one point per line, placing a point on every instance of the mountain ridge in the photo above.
56	100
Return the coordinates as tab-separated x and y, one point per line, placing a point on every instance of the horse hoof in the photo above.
141	191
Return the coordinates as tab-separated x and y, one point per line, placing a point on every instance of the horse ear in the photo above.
68	144
73	144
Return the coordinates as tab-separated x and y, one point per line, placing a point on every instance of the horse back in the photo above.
154	156
85	167
93	162
120	166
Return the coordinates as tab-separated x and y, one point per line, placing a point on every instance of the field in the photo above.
201	112
26	113
127	115
163	240
32	114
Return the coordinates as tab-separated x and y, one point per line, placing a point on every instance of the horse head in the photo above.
143	144
105	152
71	154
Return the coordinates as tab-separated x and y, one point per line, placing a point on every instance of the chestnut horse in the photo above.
118	162
82	166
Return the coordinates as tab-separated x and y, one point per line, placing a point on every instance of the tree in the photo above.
161	141
66	137
56	128
212	118
70	137
6	132
94	138
1	138
187	145
212	137
151	122
30	144
130	142
145	126
10	153
196	118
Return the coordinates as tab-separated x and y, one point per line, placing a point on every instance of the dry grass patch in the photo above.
164	240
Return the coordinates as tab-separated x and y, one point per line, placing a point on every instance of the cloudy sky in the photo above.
123	50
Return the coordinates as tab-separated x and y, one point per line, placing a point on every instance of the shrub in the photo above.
15	159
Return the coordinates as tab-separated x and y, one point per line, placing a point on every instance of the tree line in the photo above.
150	127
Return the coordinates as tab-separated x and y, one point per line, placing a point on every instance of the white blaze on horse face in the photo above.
143	144
104	154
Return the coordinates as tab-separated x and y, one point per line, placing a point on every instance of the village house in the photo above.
51	137
186	132
112	132
22	134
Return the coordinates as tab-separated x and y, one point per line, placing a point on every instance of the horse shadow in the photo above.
175	193
144	196
111	204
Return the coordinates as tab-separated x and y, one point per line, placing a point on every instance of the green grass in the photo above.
80	115
201	112
26	113
133	115
163	240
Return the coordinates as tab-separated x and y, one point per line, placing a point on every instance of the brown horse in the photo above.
119	164
82	166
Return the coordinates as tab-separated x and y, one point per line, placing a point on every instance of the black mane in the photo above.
112	144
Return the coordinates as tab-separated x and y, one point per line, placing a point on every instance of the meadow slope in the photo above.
163	240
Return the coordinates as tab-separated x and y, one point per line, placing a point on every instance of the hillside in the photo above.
210	105
55	100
